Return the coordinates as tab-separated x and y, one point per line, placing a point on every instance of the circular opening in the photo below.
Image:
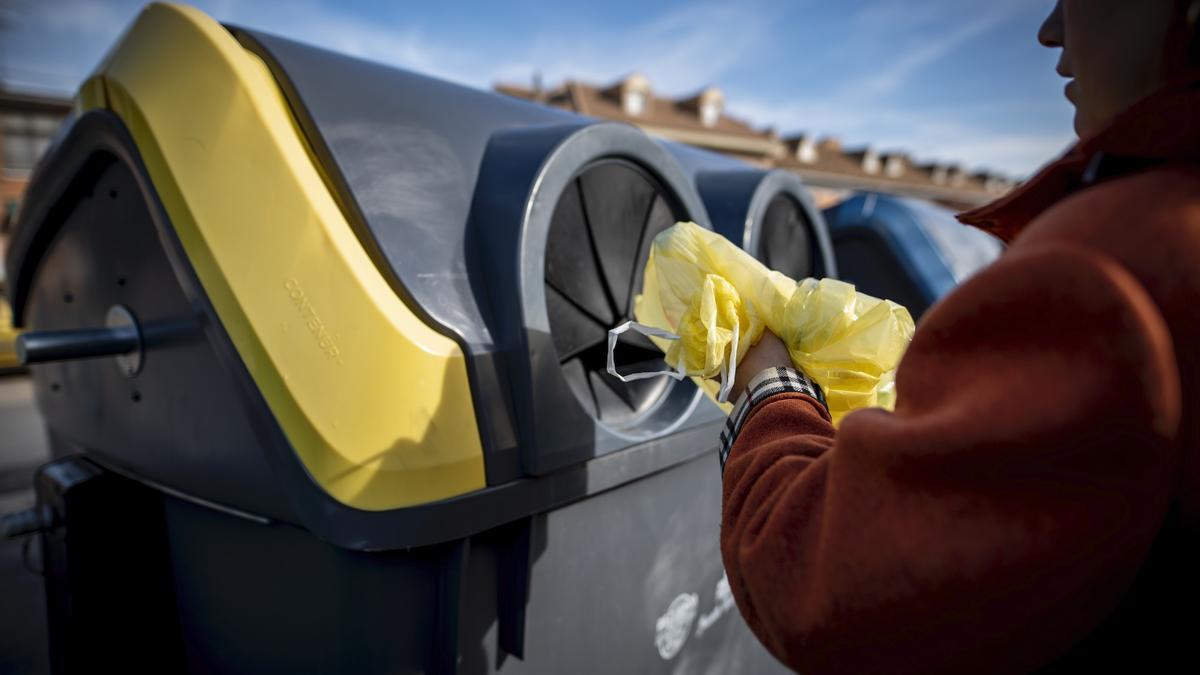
599	241
785	241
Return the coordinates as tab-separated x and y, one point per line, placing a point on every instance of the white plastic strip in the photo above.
648	331
729	371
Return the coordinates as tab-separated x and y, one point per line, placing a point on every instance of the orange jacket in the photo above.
1048	423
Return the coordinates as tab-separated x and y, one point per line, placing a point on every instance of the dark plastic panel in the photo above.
175	422
884	252
109	593
768	213
617	205
870	262
786	240
573	266
623	210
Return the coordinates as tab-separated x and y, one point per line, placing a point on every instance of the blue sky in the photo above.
942	79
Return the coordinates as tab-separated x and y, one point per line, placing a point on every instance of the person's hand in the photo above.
770	352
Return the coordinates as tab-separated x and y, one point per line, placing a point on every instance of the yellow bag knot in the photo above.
707	328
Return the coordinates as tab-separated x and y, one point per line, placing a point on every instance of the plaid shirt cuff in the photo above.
762	386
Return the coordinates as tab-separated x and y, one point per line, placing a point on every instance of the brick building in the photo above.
28	122
832	170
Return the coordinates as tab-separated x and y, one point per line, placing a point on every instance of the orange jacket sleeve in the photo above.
997	515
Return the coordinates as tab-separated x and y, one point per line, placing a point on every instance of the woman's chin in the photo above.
1085	124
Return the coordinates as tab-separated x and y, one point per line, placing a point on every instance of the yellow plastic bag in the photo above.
705	302
8	338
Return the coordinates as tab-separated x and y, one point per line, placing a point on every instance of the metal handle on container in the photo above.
121	338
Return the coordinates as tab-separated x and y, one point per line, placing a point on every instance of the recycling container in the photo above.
320	348
906	250
767	212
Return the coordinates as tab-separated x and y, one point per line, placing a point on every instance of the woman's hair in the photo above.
1190	11
1181	49
1193	58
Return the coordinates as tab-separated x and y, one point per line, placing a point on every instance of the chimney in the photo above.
708	105
633	93
829	144
804	148
895	164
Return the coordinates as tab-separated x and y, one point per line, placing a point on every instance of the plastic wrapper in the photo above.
705	302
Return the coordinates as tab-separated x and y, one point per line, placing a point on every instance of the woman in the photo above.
1033	502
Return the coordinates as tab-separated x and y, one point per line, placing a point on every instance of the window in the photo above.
710	113
871	163
635	102
807	151
25	137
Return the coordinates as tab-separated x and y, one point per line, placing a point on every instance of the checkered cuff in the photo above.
762	386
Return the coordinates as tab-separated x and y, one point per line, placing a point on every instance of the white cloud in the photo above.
52	45
895	75
311	22
57	42
82	18
865	110
680	50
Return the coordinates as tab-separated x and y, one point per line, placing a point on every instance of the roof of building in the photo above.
29	101
680	119
823	162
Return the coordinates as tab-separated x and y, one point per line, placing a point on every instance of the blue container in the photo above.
906	250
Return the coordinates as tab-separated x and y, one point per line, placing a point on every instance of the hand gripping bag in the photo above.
705	302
